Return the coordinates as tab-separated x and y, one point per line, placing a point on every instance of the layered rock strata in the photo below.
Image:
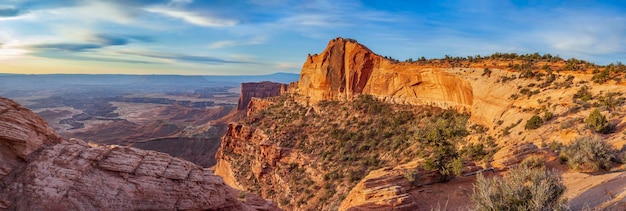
258	90
42	172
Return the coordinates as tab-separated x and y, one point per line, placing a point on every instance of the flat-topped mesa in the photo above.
259	90
346	69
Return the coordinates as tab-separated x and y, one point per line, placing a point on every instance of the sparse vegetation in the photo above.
588	154
486	72
534	161
523	188
352	138
547	115
345	140
602	77
533	123
610	101
583	95
598	122
506	131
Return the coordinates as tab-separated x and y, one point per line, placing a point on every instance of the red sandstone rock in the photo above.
42	172
346	69
21	133
259	90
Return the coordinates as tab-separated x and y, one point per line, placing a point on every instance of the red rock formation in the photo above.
21	133
389	189
259	90
346	69
42	172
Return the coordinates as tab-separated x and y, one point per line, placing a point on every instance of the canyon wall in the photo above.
346	69
258	90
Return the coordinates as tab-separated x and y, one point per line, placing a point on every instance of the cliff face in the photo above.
346	69
258	90
40	171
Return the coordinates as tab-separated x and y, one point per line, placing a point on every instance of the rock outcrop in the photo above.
346	69
21	133
42	172
258	90
514	154
389	189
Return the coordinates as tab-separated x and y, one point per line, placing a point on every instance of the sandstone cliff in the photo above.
346	68
258	90
42	172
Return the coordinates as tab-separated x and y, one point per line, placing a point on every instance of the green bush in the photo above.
444	160
598	122
601	77
522	188
534	161
533	123
582	95
587	154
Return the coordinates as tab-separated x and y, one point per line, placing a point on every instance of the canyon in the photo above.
358	131
184	116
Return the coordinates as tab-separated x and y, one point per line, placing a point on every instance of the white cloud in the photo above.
230	43
192	18
223	44
286	65
179	2
601	35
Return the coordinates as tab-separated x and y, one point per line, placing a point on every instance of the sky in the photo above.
255	37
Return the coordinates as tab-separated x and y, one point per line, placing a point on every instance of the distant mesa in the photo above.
259	90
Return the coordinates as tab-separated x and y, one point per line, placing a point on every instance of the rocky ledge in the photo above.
39	171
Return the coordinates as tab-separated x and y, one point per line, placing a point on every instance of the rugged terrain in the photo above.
362	131
41	171
184	116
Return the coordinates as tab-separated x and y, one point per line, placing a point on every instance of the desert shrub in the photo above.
479	129
522	188
601	77
533	123
473	151
582	95
547	116
486	72
587	154
444	160
505	131
555	146
534	161
598	122
610	101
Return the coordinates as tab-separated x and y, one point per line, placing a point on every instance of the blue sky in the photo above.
230	37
